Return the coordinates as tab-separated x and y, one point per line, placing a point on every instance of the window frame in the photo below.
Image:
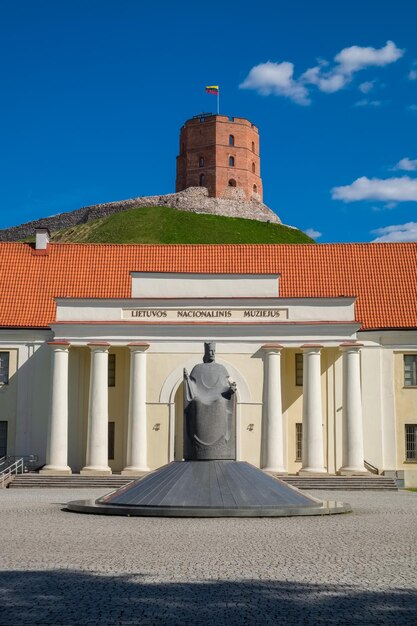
231	161
412	373
231	140
299	371
4	368
298	442
111	370
410	436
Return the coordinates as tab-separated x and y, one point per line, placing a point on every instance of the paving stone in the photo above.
64	568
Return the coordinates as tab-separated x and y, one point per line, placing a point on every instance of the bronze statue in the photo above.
209	410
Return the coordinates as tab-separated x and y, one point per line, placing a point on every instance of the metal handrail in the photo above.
14	468
371	468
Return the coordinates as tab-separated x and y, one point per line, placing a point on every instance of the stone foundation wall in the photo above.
193	199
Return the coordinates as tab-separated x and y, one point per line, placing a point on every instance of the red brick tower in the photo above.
222	154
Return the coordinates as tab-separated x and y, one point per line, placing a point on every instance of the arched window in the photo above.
232	182
231	161
231	140
255	189
201	161
202	180
253	168
253	146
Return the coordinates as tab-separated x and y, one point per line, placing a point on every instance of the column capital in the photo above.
138	346
350	345
313	347
63	344
102	346
272	347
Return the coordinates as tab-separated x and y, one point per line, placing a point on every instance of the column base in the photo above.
56	470
312	471
136	471
95	471
352	471
277	471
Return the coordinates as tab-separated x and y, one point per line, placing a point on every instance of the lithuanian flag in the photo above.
213	89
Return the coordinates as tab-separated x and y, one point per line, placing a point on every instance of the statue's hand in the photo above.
233	387
186	375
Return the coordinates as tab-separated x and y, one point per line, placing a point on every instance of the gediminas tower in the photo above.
222	154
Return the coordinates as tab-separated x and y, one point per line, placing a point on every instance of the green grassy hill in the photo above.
166	225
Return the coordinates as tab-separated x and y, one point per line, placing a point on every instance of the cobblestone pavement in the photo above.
62	568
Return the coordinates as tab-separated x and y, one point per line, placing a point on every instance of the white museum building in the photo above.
321	341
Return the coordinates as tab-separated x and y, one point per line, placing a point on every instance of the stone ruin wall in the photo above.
193	199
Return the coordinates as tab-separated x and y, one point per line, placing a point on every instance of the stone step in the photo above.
343	483
74	481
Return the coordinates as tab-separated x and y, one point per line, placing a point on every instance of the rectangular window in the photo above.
111	371
410	370
111	431
298	441
3	439
299	370
411	442
4	368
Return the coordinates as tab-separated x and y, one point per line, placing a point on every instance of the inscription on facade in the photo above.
264	314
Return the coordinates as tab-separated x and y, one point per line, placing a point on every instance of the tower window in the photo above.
201	161
232	182
202	181
182	148
253	146
255	189
231	140
253	168
231	161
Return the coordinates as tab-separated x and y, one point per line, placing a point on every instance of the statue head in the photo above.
209	351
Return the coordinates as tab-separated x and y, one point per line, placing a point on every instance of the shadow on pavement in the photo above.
71	597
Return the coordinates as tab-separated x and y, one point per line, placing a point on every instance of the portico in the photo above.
257	337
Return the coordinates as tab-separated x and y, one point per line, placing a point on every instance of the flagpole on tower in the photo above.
218	101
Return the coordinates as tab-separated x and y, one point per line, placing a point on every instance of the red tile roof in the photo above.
382	276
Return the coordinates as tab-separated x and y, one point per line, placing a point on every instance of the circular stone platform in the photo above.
208	489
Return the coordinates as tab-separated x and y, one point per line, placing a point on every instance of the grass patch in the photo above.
170	226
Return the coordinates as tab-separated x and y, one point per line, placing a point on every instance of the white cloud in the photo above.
368	103
367	86
406	164
412	75
278	78
314	234
402	189
396	233
411	107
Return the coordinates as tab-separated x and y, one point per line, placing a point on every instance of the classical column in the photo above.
273	437
352	442
97	429
57	446
312	448
137	444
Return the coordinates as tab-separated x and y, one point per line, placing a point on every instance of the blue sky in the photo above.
95	92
